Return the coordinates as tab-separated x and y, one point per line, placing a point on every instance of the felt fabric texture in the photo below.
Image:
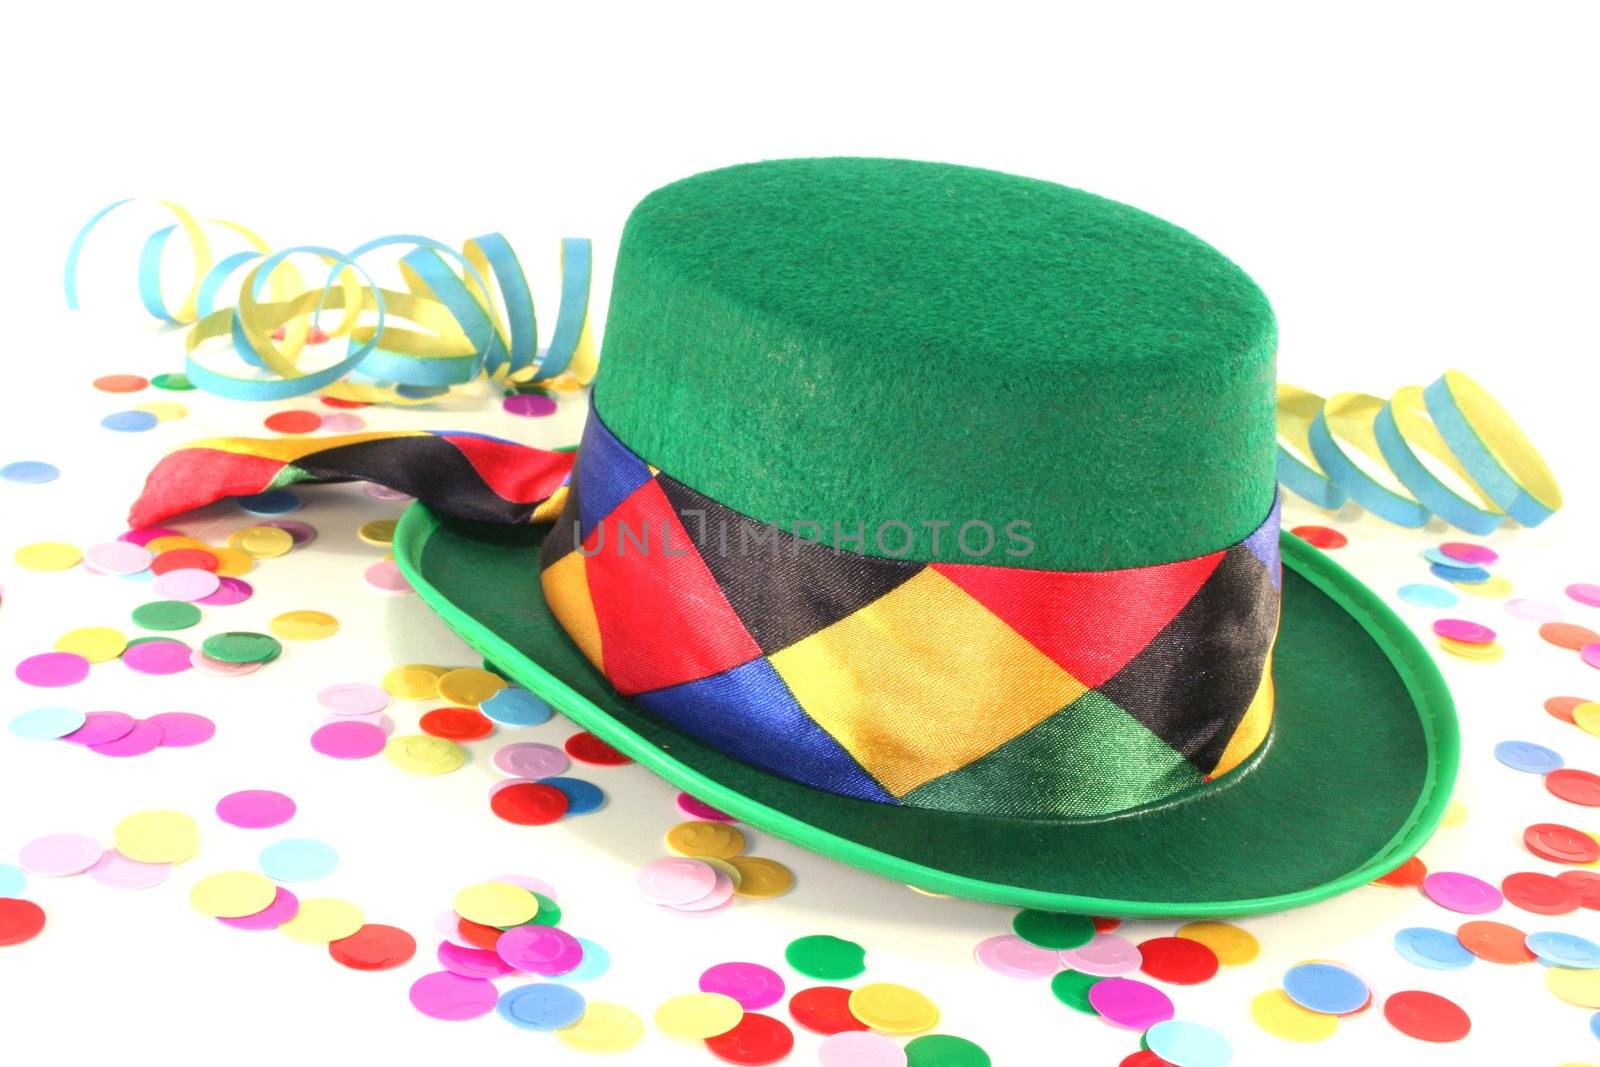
861	341
1352	780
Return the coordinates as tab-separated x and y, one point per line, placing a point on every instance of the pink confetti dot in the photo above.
385	575
229	591
52	670
348	740
144	536
1534	610
164	656
144	737
1590	654
1013	957
1461	893
302	533
60	855
1106	956
543	950
470	962
256	809
530	405
117	558
1585	593
101	726
442	995
119	872
1462	630
380	720
383	492
676	880
752	985
188	584
183	729
699	809
206	665
859	1048
343	422
1467	552
353	698
284	907
530	759
1130	1004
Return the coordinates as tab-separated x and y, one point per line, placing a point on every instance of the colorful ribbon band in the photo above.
467	330
1330	448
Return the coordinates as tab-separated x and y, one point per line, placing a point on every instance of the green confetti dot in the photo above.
945	1050
826	957
549	914
166	615
240	646
178	383
1072	989
1049	929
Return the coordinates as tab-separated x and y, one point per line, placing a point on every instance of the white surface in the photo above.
1413	187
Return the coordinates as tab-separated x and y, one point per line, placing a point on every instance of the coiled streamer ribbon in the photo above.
463	329
1454	422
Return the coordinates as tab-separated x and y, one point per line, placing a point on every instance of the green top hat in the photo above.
1126	709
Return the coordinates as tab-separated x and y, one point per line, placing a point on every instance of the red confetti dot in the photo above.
374	947
121	383
1561	708
1495	942
456	724
1410	873
183	559
1568	635
1560	844
757	1039
529	803
1426	1016
1539	893
335	402
1145	1058
1177	960
478	935
1320	536
293	422
1103	925
824	1009
590	749
1584	883
1574	786
21	920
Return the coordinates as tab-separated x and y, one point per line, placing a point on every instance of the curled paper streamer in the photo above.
1454	422
457	328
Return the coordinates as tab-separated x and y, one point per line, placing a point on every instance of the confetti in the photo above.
255	809
1013	957
530	405
1428	596
1533	610
101	726
187	584
285	906
1189	1044
529	803
322	920
1322	537
414	682
1438	950
304	625
12	880
542	950
45	724
158	657
385	575
604	1027
824	1010
1464	631
130	421
1527	756
496	904
596	961
706	840
120	558
20	920
166	615
1560	844
516	707
144	737
274	502
182	729
442	995
530	759
1232	945
1568	635
232	894
1461	892
762	878
541	1006
1279	1016
1574	985
456	724
1561	949
29	472
1495	942
1585	593
1426	1016
697	1016
1130	1004
241	646
298	859
582	797
378	532
821	956
293	422
59	855
157	836
1177	960
374	947
1053	929
1586	884
752	985
1574	786
860	1049
1108	956
421	754
53	670
587	748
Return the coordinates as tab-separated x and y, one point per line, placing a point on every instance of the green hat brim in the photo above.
1352	781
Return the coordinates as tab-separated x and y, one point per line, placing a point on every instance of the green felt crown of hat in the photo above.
860	341
889	340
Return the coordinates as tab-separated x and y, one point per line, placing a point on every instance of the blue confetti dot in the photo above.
516	707
130	421
1435	556
582	797
596	961
1564	950
46	724
1594	1024
1428	596
1322	987
299	859
30	472
1464	575
541	1006
1529	757
1437	950
12	881
1190	1044
273	502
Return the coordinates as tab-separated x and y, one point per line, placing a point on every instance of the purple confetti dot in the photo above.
530	405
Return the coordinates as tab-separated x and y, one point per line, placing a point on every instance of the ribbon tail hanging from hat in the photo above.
458	475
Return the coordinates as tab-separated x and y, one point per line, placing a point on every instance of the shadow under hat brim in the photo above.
1353	778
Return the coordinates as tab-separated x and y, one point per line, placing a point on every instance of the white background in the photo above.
1414	188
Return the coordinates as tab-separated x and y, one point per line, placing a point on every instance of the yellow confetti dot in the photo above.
604	1028
416	681
726	868
232	563
1279	1016
421	754
97	644
1496	586
304	625
697	1016
1487	653
470	686
715	839
1587	716
167	544
164	410
377	532
761	878
261	542
1455	813
233	894
496	904
323	919
893	1009
158	837
1580	987
1233	945
48	556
